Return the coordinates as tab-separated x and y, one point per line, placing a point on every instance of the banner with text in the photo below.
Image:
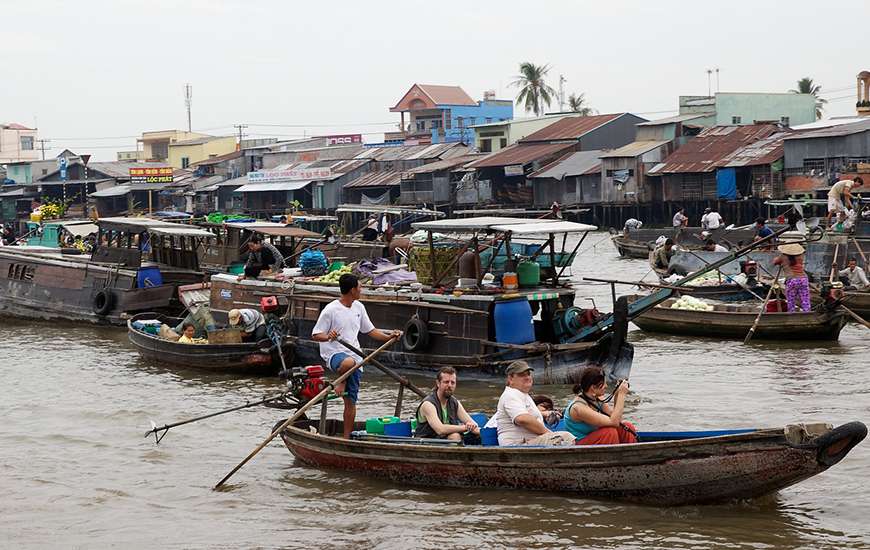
151	175
296	174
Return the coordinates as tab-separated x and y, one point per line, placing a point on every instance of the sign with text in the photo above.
296	174
151	175
513	170
344	139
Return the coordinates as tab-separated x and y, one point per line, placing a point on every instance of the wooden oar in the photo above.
861	252
763	307
316	399
834	266
855	316
386	370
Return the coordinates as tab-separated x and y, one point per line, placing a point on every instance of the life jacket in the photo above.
423	427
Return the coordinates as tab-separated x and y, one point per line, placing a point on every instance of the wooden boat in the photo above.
245	357
629	248
663	469
639	242
457	328
118	278
734	321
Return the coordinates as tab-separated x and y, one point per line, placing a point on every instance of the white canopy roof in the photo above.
470	224
278	186
546	226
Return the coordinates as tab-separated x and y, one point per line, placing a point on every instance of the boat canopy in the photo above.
81	228
546	226
514	225
181	230
273	229
396	210
133	224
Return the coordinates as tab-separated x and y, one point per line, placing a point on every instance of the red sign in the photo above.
151	175
344	139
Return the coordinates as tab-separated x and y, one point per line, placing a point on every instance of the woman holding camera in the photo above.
593	421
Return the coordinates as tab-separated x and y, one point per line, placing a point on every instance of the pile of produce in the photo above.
688	302
333	276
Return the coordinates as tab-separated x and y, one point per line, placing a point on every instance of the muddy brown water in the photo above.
75	470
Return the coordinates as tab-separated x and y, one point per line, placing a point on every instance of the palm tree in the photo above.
577	104
534	92
806	86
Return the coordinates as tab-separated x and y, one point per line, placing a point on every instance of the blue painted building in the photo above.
444	114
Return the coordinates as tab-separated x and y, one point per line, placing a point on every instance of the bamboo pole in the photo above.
763	307
861	252
303	409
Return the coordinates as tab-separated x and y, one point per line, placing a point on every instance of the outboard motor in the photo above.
306	382
568	322
831	292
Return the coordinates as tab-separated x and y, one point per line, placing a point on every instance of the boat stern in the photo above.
831	444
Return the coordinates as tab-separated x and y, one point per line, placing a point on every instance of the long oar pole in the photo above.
317	398
861	252
386	370
166	427
855	316
763	308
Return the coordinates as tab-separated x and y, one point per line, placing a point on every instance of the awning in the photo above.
115	191
542	226
279	186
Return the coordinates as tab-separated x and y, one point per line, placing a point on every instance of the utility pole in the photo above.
42	143
240	127
717	80
709	90
188	99
562	82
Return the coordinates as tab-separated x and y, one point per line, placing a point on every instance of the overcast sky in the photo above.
94	74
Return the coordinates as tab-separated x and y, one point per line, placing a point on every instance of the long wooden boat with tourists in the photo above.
477	329
229	357
662	469
735	320
638	243
136	265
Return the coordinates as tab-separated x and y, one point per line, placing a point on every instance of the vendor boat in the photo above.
735	320
136	265
662	469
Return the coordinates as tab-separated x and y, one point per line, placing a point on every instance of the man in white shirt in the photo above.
711	219
517	418
346	318
856	275
840	194
631	224
712	246
680	218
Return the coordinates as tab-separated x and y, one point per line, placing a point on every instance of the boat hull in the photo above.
630	249
247	358
736	321
667	473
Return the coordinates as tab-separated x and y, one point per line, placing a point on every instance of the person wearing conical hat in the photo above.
797	286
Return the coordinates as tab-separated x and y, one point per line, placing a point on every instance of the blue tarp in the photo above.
726	183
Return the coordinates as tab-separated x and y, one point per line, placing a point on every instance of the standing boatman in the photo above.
345	318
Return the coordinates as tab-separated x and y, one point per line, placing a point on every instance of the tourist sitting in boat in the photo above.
545	404
345	318
592	420
662	255
262	256
517	418
631	224
797	286
440	415
188	332
251	321
712	246
370	233
857	278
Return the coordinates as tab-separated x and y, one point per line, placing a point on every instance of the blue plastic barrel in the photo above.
402	429
513	321
489	437
147	277
480	418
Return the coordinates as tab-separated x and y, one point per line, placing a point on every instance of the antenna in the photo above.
562	82
717	80
240	127
709	74
188	99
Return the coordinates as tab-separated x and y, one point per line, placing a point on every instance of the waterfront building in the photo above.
18	143
748	108
444	114
184	153
815	159
572	179
495	136
155	145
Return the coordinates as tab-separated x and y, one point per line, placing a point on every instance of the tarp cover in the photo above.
726	183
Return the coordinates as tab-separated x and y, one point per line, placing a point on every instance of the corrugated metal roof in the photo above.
763	151
574	164
115	191
521	153
835	131
702	153
385	178
413	152
218	159
674	119
570	128
827	123
197	141
445	164
121	169
634	149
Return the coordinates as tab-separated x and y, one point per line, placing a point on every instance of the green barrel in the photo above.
529	273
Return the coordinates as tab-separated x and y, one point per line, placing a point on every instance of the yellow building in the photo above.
184	153
155	145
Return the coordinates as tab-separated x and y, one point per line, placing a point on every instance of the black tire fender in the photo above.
103	302
416	335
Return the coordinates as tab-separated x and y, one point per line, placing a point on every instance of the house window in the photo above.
448	122
421	125
488	119
486	146
735	120
503	143
27	143
472	121
436	124
44	171
784	120
460	122
185	162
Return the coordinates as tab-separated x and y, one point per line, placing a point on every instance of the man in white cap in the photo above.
251	321
517	418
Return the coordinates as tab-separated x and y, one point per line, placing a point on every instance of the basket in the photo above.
419	260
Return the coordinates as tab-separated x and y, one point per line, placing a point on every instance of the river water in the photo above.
75	470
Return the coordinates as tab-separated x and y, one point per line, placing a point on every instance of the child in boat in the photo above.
187	332
593	421
552	417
